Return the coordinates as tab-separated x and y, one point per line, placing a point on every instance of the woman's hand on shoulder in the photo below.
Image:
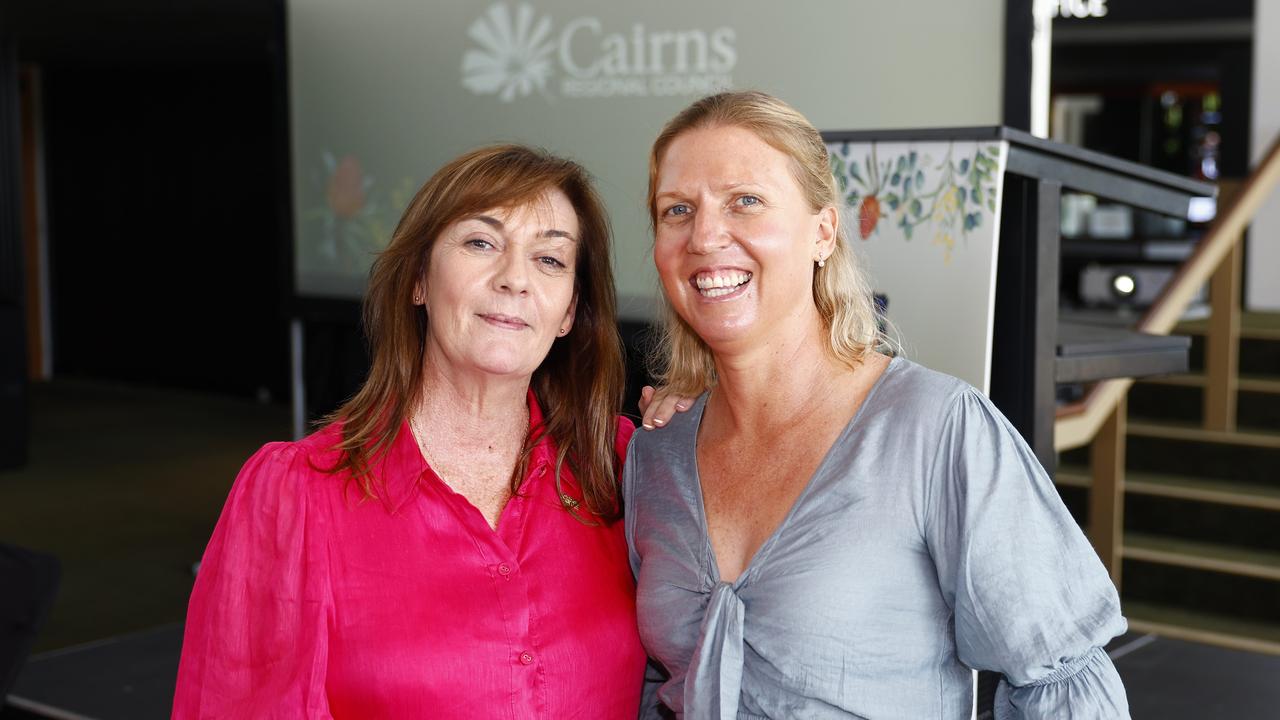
658	406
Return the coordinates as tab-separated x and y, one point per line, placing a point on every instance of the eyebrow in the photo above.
722	188
496	224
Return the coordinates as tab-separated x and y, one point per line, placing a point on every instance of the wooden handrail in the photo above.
1078	423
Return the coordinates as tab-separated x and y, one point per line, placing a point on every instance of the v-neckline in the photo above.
713	562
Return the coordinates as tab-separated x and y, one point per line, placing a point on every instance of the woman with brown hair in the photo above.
444	546
830	532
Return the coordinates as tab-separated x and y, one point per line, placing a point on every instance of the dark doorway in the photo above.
163	237
163	186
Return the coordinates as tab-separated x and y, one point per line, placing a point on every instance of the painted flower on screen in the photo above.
514	56
952	196
346	191
345	220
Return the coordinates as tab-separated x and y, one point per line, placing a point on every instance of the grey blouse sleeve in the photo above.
650	707
1031	599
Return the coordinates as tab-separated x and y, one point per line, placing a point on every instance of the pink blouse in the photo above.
312	603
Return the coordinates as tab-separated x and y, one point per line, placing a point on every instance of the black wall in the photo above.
163	149
163	233
13	363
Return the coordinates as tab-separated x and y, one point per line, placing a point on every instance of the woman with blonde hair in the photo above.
444	546
830	532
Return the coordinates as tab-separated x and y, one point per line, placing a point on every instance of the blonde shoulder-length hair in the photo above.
679	359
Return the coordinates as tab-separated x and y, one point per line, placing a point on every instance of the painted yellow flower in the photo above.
947	242
948	204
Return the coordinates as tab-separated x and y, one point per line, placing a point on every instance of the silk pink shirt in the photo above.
311	603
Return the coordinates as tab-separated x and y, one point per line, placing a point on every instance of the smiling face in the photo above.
499	288
735	241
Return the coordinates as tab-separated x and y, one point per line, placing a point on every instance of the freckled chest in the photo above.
749	484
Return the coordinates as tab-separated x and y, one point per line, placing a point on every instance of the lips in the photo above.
507	322
719	282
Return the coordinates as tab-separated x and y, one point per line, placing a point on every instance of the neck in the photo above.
470	404
771	383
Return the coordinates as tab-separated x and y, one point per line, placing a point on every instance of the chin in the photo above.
505	361
713	331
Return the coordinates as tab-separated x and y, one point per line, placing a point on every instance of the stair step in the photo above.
1194	433
1221	630
1222	492
1247	383
1202	556
1253	325
1177	404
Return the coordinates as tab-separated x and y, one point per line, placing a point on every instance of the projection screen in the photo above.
383	92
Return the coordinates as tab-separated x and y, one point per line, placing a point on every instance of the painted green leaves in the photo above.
954	196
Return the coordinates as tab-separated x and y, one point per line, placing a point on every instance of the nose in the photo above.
710	233
512	274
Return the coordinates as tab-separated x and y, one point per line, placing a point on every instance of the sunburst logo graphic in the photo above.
514	55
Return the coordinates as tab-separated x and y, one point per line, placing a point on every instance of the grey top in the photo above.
929	541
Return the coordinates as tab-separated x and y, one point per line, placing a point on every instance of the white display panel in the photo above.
925	218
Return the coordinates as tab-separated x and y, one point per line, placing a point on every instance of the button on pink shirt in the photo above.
311	603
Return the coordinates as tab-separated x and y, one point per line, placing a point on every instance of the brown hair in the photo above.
579	385
841	291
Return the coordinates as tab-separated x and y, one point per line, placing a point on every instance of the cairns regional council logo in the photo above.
519	53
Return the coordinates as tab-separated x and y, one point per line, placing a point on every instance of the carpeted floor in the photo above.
124	485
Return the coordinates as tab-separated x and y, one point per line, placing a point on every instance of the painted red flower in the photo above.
868	216
346	188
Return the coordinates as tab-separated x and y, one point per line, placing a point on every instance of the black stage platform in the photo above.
131	678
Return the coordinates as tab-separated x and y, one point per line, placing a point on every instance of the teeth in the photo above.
724	280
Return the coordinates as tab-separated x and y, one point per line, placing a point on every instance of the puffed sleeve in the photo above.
1031	599
255	643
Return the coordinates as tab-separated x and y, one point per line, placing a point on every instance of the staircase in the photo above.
1178	479
1200	556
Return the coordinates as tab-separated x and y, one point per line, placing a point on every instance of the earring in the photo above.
822	262
564	331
